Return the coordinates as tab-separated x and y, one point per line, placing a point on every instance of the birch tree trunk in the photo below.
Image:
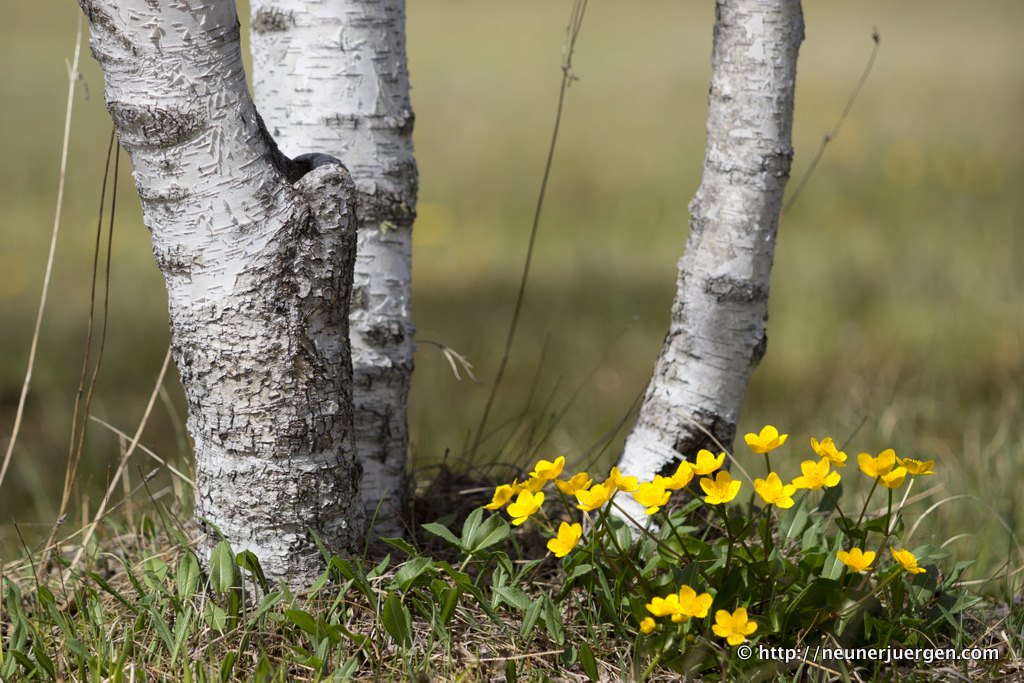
331	75
717	332
257	253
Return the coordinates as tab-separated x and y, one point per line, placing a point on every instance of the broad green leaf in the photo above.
469	527
188	576
223	569
587	661
155	572
493	530
402	545
411	571
793	521
553	622
302	619
833	567
397	620
449	601
216	618
444	533
531	616
514	597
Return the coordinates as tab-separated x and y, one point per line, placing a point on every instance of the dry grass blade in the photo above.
73	77
124	459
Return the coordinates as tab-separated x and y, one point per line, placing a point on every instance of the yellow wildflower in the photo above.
626	484
706	462
733	627
594	497
856	559
568	538
682	477
721	489
652	496
894	478
907	560
577	482
768	440
816	475
548	470
772	491
647	625
693	605
502	495
526	504
663	607
876	467
916	467
826	449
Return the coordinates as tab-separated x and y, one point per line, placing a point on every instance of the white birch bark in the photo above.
331	75
257	254
717	331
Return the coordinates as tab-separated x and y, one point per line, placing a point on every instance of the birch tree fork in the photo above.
719	316
257	253
332	76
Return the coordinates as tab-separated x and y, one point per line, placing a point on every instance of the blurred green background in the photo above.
896	294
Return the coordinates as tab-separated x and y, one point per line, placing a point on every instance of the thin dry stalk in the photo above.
73	77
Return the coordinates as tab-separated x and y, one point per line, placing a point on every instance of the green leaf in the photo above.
155	571
587	661
553	622
494	530
216	618
514	597
444	533
188	576
397	620
470	526
531	616
248	561
402	545
228	665
449	601
793	521
411	571
302	619
833	567
223	569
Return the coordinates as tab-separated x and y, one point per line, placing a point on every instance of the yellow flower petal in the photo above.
769	439
907	561
856	559
733	627
721	489
706	462
916	467
876	467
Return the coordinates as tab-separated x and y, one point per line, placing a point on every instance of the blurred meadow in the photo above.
896	295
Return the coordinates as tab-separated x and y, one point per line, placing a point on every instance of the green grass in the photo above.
895	295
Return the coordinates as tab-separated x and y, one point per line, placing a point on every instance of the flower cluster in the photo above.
705	478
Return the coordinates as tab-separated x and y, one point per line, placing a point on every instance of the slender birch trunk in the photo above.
717	332
257	252
331	75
